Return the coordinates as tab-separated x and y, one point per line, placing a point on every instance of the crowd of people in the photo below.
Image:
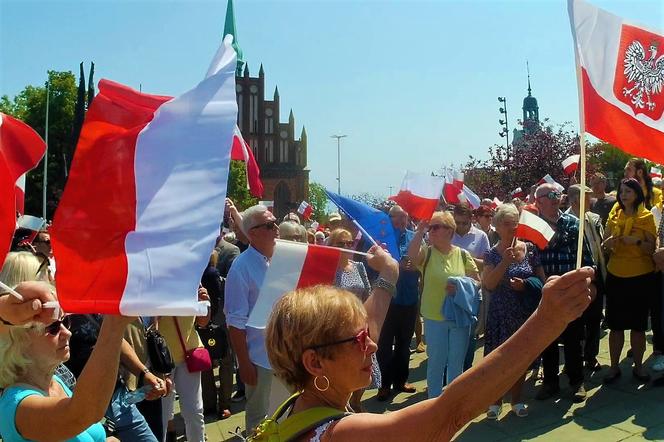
463	276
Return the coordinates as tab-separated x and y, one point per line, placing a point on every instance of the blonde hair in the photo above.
443	217
505	210
14	361
305	318
337	233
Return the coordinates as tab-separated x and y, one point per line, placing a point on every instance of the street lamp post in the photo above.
338	137
505	129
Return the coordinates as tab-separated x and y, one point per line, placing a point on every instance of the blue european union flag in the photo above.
373	221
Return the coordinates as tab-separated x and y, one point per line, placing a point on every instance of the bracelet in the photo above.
384	284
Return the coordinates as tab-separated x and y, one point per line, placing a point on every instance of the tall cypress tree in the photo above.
91	84
79	116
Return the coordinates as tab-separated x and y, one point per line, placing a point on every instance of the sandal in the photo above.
493	412
520	410
645	378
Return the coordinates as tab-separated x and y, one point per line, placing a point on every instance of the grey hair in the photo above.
249	217
503	211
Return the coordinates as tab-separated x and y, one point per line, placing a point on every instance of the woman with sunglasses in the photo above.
35	404
447	342
352	276
630	280
318	341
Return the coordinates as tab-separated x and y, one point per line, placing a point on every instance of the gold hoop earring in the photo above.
322	389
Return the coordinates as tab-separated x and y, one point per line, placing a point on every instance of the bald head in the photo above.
399	217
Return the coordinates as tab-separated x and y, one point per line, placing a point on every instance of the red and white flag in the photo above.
20	194
517	193
622	80
21	149
419	195
293	266
570	164
241	151
534	229
305	210
496	202
655	172
141	209
548	179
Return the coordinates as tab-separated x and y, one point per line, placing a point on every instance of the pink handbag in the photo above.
197	359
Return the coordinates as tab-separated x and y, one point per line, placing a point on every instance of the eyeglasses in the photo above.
344	243
434	227
551	195
360	339
270	225
54	328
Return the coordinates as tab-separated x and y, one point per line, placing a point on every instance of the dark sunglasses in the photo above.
345	243
47	242
268	225
434	227
54	328
360	339
552	195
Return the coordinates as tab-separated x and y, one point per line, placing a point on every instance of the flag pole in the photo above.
582	140
45	181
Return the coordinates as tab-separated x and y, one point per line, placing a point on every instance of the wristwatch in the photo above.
382	283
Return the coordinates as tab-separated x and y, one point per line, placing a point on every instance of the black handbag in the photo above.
160	357
215	340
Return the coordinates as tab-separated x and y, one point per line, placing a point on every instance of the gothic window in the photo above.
240	103
269	121
283	151
253	113
269	151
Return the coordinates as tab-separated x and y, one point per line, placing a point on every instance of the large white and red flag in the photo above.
293	266
548	179
145	195
419	194
571	163
534	229
21	149
241	151
622	80
455	191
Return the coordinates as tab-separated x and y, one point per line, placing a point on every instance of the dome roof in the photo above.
530	102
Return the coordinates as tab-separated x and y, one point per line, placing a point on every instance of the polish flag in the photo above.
655	172
470	197
305	210
621	76
20	194
517	193
141	209
293	266
242	152
534	229
549	180
496	202
419	195
456	192
21	149
570	164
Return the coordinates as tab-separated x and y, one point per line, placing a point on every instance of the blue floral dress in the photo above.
508	309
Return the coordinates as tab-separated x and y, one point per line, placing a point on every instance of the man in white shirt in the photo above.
243	284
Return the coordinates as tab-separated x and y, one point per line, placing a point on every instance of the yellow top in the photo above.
657	200
440	267
170	334
628	260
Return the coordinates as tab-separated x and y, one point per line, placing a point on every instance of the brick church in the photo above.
281	157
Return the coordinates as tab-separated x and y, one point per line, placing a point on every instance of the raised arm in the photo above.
564	299
415	247
379	300
61	418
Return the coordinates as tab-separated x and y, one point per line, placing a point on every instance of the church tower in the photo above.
531	121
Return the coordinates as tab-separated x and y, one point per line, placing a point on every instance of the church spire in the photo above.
229	28
528	71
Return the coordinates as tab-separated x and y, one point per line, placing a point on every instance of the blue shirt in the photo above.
559	256
408	283
243	284
12	397
475	241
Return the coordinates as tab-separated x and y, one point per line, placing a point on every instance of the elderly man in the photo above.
241	292
400	320
558	258
594	235
602	203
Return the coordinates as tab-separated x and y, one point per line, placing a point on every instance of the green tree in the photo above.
318	199
237	186
30	106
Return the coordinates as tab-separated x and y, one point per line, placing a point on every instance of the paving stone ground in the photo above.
625	411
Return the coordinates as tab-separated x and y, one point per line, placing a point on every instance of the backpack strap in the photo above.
304	421
426	263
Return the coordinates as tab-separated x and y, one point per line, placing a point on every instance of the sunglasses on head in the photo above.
54	328
268	225
552	195
434	227
360	339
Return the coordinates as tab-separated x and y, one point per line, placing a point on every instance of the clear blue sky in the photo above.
412	83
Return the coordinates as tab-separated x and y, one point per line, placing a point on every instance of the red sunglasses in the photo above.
360	339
